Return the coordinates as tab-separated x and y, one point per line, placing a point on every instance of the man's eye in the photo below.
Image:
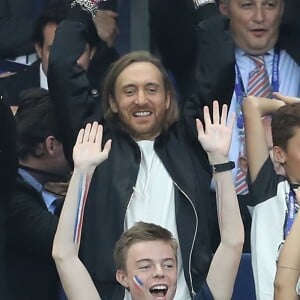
145	267
152	89
247	4
129	92
270	4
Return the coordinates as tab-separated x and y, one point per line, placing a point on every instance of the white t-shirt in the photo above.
153	201
267	230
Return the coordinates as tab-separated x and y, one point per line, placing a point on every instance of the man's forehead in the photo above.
253	1
140	72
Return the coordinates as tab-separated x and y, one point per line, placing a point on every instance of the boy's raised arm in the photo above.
216	139
87	155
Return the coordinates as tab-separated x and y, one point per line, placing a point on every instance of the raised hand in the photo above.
87	151
216	138
106	26
286	99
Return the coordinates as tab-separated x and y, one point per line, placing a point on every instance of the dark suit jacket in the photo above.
31	228
12	86
8	168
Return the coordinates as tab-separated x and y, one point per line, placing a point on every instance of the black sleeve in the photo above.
214	69
68	83
8	170
172	26
8	151
30	225
290	29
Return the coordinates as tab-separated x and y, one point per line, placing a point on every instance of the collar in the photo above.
48	197
43	79
30	180
241	53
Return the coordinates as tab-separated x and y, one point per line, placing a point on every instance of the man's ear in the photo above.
113	104
92	53
38	50
168	100
50	145
223	7
122	278
279	154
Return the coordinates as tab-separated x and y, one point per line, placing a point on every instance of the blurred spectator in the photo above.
43	36
17	19
35	75
32	218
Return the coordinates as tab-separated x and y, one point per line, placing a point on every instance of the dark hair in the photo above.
284	122
54	14
35	121
115	71
141	232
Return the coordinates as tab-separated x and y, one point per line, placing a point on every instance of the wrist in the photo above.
91	6
199	3
217	158
84	170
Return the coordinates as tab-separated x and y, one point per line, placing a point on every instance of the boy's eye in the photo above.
144	267
169	266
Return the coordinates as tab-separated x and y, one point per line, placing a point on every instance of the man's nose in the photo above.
141	98
259	14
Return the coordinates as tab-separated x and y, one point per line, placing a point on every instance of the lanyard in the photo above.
240	91
290	213
292	209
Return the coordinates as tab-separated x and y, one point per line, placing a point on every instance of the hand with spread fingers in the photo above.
88	150
215	137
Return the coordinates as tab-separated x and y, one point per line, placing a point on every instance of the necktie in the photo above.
58	203
258	85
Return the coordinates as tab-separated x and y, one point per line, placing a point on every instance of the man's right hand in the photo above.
106	26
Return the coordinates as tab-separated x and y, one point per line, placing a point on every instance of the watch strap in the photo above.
223	167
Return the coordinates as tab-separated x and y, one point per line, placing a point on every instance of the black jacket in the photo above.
113	181
31	228
8	172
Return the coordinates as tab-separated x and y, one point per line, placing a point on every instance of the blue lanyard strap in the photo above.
290	213
292	209
240	91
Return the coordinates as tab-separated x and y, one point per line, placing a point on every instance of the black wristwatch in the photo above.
223	167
